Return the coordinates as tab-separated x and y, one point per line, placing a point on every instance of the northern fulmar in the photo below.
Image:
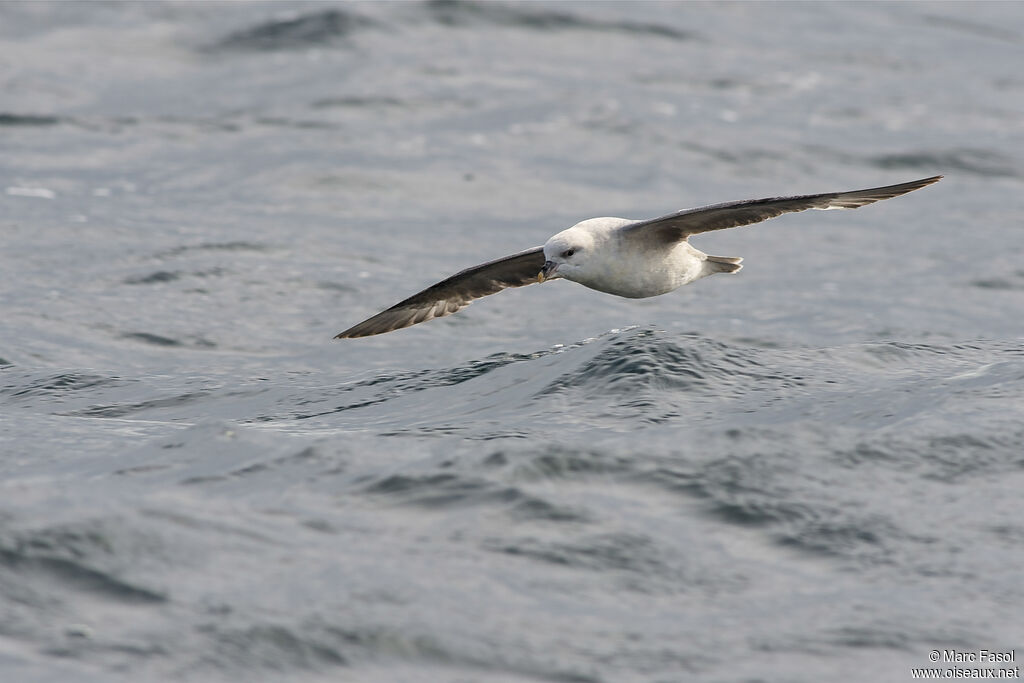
628	258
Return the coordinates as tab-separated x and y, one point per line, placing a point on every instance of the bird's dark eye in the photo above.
568	252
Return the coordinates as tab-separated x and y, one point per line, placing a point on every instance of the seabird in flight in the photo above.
628	258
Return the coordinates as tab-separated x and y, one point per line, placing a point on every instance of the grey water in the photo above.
809	470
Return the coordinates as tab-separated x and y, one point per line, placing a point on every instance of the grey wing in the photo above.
680	225
454	293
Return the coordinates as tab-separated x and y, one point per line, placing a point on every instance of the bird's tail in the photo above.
722	264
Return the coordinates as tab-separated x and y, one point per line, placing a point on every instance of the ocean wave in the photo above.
81	557
300	31
982	162
461	13
54	387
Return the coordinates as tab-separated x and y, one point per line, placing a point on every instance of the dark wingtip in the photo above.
924	182
918	184
350	334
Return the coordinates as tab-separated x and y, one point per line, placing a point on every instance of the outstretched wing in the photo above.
680	225
454	293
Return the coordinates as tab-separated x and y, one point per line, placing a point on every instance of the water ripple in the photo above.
304	30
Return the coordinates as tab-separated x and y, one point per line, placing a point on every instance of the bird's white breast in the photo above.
622	267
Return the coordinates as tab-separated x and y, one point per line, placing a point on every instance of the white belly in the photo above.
639	274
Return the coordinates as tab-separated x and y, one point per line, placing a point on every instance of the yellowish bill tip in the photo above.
540	276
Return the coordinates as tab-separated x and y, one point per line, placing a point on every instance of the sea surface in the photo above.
811	470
